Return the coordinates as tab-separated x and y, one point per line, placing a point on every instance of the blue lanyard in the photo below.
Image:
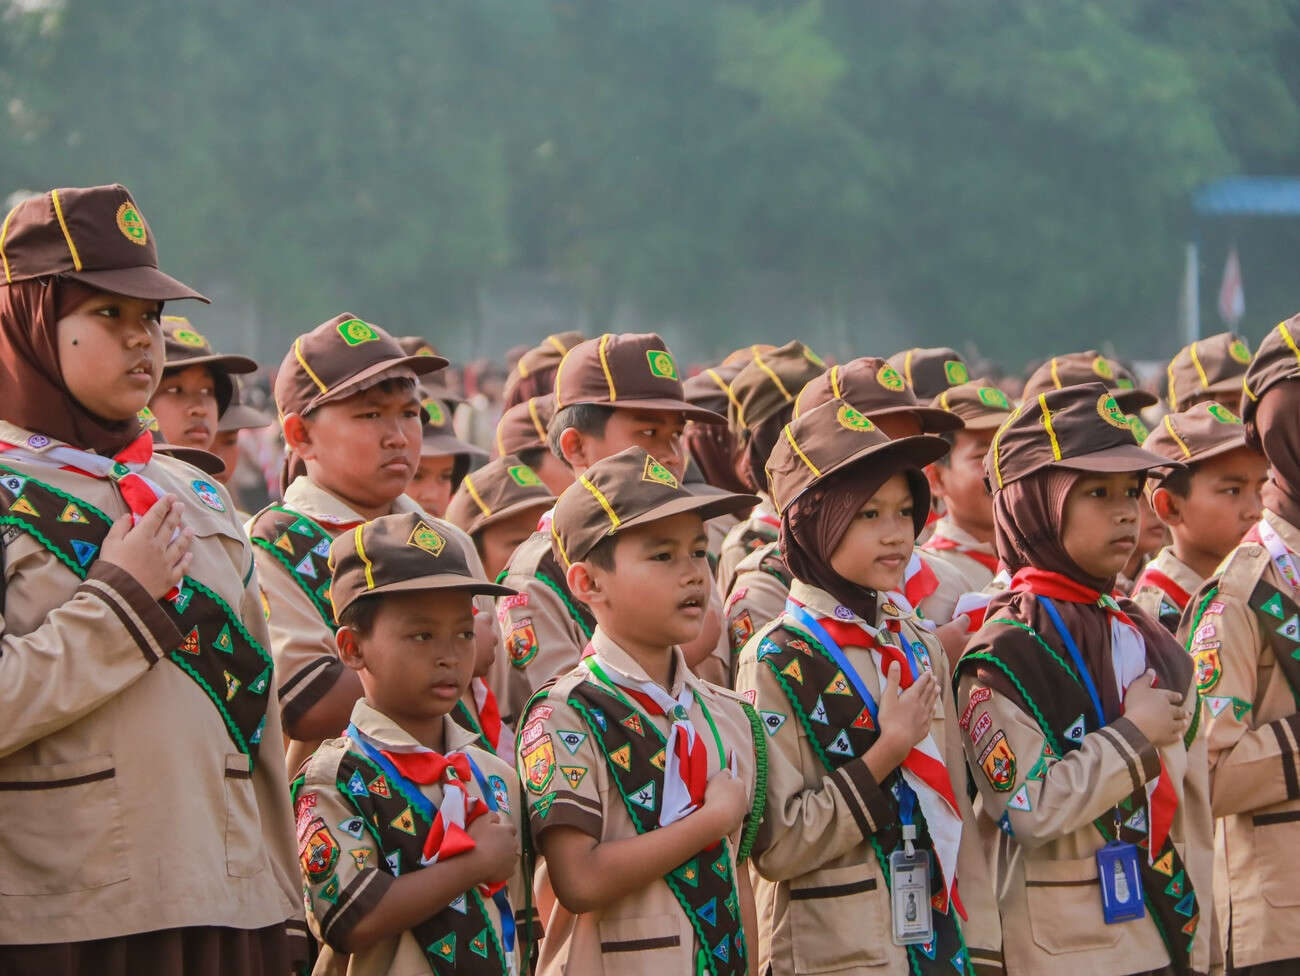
1075	656
429	811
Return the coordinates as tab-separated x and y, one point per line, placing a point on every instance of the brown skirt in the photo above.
198	951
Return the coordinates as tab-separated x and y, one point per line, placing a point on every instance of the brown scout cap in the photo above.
1208	368
95	235
930	371
398	553
534	372
434	385
979	404
499	489
1080	427
877	389
523	426
1202	431
828	438
625	370
240	416
710	388
1089	367
438	437
1277	359
771	380
745	354
622	491
339	358
185	346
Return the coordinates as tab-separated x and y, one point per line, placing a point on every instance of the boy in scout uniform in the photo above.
142	775
522	432
1241	627
1079	713
1089	367
855	765
197	386
610	393
1208	504
349	407
1208	369
640	778
407	828
931	371
533	374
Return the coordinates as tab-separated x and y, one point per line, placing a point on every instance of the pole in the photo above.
1191	297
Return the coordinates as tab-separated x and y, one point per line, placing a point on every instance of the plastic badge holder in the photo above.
909	889
1121	883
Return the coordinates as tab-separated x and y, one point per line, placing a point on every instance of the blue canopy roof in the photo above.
1249	196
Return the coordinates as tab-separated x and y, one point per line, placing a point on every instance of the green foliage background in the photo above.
1009	173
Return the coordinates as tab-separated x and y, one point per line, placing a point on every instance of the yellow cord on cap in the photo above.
473	493
604	502
1174	434
361	551
4	232
802	456
758	361
1196	361
67	236
537	421
302	361
604	364
1047	424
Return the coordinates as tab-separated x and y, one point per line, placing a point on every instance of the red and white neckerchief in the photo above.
544	521
1279	551
919	582
923	768
501	739
1162	582
976	604
686	761
123	469
942	543
765	516
1128	656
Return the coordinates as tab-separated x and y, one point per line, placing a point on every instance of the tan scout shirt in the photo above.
1165	607
757	597
823	902
127	806
743	538
302	644
974	574
1253	733
359	867
1046	870
646	931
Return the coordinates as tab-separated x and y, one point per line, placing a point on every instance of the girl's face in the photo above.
878	544
111	354
1100	529
186	407
431	486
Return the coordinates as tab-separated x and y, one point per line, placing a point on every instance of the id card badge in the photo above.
909	890
1121	883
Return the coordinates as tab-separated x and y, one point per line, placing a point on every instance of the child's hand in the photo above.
905	718
1157	712
156	551
726	798
496	842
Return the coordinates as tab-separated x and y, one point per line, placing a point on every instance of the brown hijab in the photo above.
1276	427
35	396
713	448
814	523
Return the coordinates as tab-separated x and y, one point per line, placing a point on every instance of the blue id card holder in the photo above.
1121	883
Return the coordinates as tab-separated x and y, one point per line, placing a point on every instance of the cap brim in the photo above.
231	364
364	380
205	461
691	411
523	505
442	581
1122	457
706	506
1237	444
1131	401
917	450
933	420
436	445
243	417
139	282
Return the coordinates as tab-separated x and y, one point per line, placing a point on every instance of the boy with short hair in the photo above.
1207	505
432	874
348	403
655	800
197	385
1208	369
522	432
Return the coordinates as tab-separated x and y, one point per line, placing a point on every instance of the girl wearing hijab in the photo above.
1078	712
1243	630
869	829
149	825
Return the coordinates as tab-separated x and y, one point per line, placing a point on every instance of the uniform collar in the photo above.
1290	534
822	604
610	653
308	498
948	529
375	725
1177	570
30	440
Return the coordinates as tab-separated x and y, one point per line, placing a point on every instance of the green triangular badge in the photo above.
302	527
1239	708
645	796
444	948
689	872
223	641
1273	606
478	945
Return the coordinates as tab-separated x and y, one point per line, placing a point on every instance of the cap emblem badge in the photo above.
1110	412
956	372
1102	368
424	537
1239	351
355	332
991	396
656	472
851	419
1222	414
661	364
523	475
890	379
131	224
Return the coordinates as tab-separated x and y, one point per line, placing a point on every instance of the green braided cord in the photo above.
502	575
559	591
1200	612
30	529
234	617
463	716
216	700
1043	644
1195	725
62	494
759	733
283	560
296	786
803	719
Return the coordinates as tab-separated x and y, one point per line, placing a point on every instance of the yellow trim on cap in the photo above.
943	400
835	382
537	421
1173	397
302	361
907	367
501	445
1286	334
560	546
604	364
604	502
758	361
361	551
523	370
1245	385
473	493
1196	361
67	236
996	447
4	232
1174	434
1047	425
557	345
1056	379
558	370
802	456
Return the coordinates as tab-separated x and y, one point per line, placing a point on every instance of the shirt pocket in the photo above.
648	943
1065	907
245	855
839	919
1276	836
66	828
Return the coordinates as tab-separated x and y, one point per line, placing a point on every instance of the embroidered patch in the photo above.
839	685
890	379
131	224
360	857
1204	633
353	827
304	813
740	629
979	694
622	757
991	396
532	731
379	786
842	612
818	712
840	745
1215	608
25	507
523	475
890	609
190	337
1109	411
792	670
980	728
330	892
1139	429
750	696
1076	731
433	409
208	495
357	785
542	805
852	419
522	644
864	721
1273	606
38	441
355	332
508	603
633	722
645	796
1208	669
772	721
319	852
191	645
147	420
444	948
404	821
1291	629
574	775
661	364
13	484
424	537
539	764
1222	414
571	740
955	371
999	763
656	472
1239	351
1020	799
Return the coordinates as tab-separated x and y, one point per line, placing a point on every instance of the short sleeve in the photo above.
561	769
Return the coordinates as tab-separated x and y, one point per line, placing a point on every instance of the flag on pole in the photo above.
1232	295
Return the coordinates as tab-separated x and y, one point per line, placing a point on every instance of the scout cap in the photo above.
710	388
185	346
523	426
398	553
979	404
770	382
1203	431
625	370
438	437
339	358
241	416
622	491
828	438
503	487
745	354
1089	367
1277	359
93	234
1080	427
434	385
1207	369
875	388
931	371
534	373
